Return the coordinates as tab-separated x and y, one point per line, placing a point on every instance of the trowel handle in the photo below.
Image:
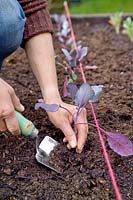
26	126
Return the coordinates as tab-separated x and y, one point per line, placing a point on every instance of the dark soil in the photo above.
85	176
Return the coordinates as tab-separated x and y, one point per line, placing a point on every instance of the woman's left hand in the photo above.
63	120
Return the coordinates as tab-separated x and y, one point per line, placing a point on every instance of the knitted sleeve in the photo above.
38	18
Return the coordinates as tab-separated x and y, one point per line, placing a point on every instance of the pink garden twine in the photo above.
105	153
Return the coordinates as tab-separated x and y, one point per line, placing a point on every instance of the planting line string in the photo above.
73	37
111	172
106	156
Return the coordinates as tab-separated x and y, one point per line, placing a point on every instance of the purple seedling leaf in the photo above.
73	63
79	42
65	25
79	47
62	18
83	95
67	54
56	18
120	144
65	32
72	90
78	55
82	53
40	101
72	50
47	107
97	93
59	20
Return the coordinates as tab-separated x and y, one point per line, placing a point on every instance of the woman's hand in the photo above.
9	102
63	120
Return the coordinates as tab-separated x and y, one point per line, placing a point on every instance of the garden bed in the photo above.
85	176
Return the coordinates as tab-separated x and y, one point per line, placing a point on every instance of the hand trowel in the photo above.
43	149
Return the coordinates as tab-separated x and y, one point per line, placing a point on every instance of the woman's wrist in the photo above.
51	96
53	100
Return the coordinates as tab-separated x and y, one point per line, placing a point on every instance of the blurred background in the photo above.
92	6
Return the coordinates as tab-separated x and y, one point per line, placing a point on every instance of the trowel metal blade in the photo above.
43	151
44	161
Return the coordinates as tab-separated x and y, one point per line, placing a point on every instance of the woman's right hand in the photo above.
9	102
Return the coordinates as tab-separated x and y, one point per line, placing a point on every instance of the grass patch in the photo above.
102	6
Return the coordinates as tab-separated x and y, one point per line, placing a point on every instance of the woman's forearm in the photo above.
41	57
40	53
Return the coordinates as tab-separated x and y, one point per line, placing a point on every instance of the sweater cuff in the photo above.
36	23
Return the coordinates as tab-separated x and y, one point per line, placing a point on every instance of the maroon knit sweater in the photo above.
38	18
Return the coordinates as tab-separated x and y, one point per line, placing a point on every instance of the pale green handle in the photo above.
25	125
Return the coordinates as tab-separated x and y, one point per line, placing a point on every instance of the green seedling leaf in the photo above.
69	41
128	28
70	80
74	76
115	20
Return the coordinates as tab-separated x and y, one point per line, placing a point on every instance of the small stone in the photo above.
22	173
6	151
12	198
8	161
101	180
7	171
4	155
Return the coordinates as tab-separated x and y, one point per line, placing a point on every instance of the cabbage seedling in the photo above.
81	97
115	21
73	58
128	28
71	64
63	33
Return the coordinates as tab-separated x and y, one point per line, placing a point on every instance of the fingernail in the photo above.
16	134
22	107
79	150
73	144
68	146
